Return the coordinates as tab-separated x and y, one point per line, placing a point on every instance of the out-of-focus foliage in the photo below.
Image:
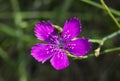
17	20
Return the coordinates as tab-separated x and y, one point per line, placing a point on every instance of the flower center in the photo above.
60	43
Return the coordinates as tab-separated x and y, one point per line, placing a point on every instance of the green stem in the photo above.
111	35
93	3
58	28
95	40
110	14
97	51
107	51
111	50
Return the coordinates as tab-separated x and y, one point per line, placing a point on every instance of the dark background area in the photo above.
17	21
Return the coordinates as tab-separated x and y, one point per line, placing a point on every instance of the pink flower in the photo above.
59	43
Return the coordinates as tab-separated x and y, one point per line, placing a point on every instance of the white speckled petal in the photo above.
59	60
44	31
78	47
42	52
72	28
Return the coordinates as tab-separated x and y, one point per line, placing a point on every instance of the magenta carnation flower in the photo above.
58	43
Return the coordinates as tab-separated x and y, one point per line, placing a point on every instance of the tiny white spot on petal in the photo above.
47	52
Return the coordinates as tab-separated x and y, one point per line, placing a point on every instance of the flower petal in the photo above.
72	28
78	47
44	31
42	52
60	60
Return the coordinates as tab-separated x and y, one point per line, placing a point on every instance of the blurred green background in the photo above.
17	21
